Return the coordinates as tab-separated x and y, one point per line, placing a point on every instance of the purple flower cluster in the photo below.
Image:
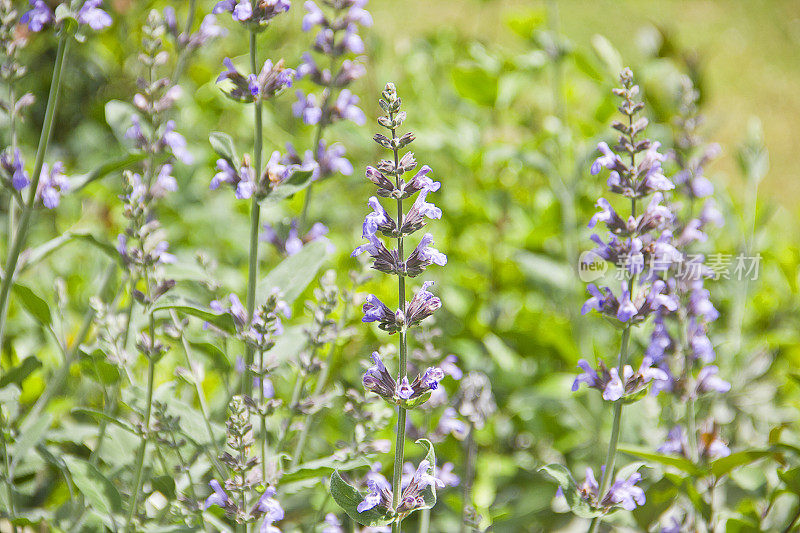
53	184
241	176
380	491
267	506
41	16
293	242
378	380
266	324
337	39
623	492
259	16
272	79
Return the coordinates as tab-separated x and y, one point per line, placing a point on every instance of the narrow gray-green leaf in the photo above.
99	492
294	273
299	180
222	143
33	304
31	433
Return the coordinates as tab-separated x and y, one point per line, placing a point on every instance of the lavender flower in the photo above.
52	185
399	500
38	16
293	242
244	12
15	170
218	498
272	79
91	14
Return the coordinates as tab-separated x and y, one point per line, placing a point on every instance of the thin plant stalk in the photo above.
611	455
255	215
7	464
20	236
469	474
403	365
318	388
140	455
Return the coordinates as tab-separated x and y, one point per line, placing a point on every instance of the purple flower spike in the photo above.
93	16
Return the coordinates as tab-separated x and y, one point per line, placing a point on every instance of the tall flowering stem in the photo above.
255	211
21	235
338	42
640	246
246	176
391	503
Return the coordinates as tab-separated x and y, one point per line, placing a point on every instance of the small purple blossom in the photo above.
53	184
38	16
93	16
625	493
219	497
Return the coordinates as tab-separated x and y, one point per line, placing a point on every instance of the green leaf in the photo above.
681	463
222	143
37	254
100	415
791	478
105	169
414	402
18	374
321	468
99	492
119	115
429	492
183	305
723	466
608	54
476	84
30	435
33	304
294	273
348	498
165	485
298	181
569	487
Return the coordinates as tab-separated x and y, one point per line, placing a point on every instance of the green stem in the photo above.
151	370
319	387
611	455
255	215
315	149
403	365
21	234
7	463
198	387
469	475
